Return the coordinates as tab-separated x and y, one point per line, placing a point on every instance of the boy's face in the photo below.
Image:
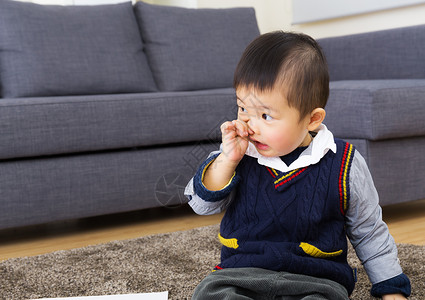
277	128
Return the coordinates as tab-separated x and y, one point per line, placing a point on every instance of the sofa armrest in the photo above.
389	54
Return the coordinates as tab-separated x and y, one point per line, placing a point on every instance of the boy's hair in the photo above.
293	62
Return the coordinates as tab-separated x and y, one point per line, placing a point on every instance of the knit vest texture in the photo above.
291	221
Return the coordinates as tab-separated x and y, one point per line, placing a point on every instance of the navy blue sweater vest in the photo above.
292	221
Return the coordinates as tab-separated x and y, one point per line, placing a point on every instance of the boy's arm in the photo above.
369	235
216	177
203	200
219	173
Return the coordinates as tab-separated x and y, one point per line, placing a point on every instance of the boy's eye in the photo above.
266	117
242	109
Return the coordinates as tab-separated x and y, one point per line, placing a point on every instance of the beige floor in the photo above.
405	221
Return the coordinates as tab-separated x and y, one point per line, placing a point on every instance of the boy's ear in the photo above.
316	118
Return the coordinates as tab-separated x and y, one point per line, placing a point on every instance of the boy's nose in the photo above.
252	124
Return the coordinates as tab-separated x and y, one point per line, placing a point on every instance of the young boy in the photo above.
291	191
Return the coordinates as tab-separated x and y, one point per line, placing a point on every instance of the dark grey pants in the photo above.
254	283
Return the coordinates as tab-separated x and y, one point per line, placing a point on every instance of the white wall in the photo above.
277	14
271	14
386	19
305	11
182	3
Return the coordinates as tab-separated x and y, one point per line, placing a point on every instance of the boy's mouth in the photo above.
259	145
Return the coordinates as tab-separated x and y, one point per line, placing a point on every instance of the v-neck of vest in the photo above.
283	178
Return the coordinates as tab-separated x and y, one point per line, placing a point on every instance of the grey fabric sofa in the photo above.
109	108
377	102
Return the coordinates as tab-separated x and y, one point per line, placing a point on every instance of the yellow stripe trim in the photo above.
286	176
230	181
344	184
205	169
229	243
316	252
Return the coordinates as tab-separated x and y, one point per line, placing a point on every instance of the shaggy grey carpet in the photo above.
176	262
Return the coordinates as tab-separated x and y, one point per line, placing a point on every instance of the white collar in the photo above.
321	144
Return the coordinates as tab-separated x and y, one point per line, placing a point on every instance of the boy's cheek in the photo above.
277	137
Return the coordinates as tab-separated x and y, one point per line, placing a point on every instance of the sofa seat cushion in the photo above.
376	109
32	127
192	49
49	50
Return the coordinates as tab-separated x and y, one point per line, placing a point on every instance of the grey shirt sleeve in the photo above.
202	207
368	233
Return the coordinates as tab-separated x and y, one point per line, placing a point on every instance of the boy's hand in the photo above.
235	139
394	297
235	142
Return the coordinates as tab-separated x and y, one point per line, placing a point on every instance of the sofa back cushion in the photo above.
49	50
192	49
388	54
40	126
